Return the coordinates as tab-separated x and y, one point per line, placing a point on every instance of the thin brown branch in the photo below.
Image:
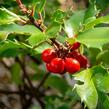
32	88
7	92
38	24
43	81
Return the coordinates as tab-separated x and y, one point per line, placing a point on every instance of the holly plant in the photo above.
60	57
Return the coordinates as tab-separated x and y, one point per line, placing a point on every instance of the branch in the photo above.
7	92
32	89
43	80
38	23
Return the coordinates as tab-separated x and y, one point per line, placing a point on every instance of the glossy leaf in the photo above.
7	16
104	19
103	58
95	81
92	36
72	26
58	16
90	13
101	78
36	36
87	91
103	102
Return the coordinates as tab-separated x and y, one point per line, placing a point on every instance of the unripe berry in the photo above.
72	65
48	55
56	65
75	46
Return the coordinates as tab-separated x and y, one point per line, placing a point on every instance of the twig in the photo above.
43	80
30	15
32	89
2	91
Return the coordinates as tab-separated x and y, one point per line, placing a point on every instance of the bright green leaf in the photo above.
95	37
36	35
7	16
87	91
73	25
103	19
101	78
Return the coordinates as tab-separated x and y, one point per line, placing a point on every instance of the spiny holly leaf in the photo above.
58	16
103	102
53	30
36	36
95	80
90	13
103	19
95	37
72	26
101	78
11	49
103	58
7	16
92	54
87	91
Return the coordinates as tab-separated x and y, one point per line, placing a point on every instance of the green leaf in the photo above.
53	30
103	102
101	78
16	73
92	54
58	16
11	49
103	58
102	4
72	26
96	81
103	19
58	83
90	13
36	35
87	91
42	4
7	16
92	36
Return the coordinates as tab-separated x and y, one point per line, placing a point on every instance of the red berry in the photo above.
75	46
72	65
56	65
48	67
83	60
48	55
74	54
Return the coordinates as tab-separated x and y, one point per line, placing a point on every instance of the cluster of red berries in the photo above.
72	62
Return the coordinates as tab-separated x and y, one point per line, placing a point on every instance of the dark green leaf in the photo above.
103	58
103	102
58	83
